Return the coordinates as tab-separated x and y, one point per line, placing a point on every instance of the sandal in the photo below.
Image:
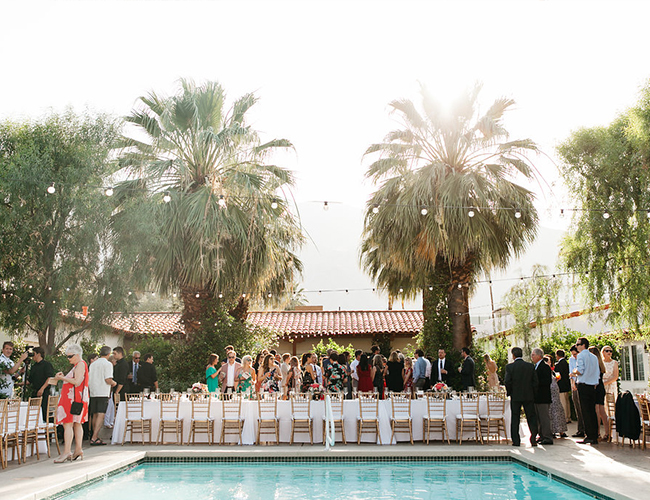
97	442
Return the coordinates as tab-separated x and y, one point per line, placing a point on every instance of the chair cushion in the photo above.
434	416
467	417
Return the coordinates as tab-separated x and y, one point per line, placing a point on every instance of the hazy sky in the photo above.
324	72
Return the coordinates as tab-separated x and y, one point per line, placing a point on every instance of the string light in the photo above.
517	214
274	204
221	295
167	198
605	214
270	295
470	213
51	189
326	206
109	191
424	211
375	209
561	212
222	201
198	295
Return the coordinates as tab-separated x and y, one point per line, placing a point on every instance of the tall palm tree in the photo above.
199	174
447	206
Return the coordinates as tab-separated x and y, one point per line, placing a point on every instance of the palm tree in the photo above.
199	175
447	206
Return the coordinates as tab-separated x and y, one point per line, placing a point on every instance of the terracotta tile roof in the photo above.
290	324
329	323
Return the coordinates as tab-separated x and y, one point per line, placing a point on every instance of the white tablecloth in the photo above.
350	414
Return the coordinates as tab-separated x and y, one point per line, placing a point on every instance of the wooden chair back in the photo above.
436	405
301	406
368	405
400	403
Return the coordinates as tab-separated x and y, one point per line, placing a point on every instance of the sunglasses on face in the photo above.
607	350
70	356
136	358
231	357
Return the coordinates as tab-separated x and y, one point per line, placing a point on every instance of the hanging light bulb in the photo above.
401	290
243	295
222	201
648	214
174	295
605	214
110	293
326	206
109	191
424	211
130	293
460	286
167	198
221	295
517	214
198	295
471	213
270	295
51	189
274	204
561	212
375	209
431	289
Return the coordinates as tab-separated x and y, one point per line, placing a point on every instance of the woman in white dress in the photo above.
610	377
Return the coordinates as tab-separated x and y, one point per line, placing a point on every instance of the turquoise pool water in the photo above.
329	481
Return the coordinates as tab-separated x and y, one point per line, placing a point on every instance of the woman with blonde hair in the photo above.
408	375
72	411
491	368
395	380
611	372
246	376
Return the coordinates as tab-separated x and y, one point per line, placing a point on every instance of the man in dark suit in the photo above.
467	370
441	369
564	384
521	385
134	383
543	397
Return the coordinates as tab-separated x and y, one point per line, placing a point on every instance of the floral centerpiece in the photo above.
317	391
199	388
441	387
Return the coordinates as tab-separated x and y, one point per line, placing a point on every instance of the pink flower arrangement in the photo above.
440	387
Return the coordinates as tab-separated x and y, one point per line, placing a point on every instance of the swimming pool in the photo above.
328	480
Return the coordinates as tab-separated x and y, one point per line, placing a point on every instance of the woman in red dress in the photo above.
75	389
365	377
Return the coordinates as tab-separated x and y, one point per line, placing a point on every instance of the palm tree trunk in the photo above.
194	308
462	275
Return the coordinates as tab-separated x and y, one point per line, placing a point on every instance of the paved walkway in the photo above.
616	471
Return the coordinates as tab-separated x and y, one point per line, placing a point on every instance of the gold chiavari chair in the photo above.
368	419
644	406
436	416
267	419
170	421
231	420
610	406
301	419
29	432
469	418
3	418
47	431
201	421
495	418
400	420
135	423
11	433
336	399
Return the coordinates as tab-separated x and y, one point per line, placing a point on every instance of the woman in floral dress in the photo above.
556	410
335	374
246	376
75	389
269	375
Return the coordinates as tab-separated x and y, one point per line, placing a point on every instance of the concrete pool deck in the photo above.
615	471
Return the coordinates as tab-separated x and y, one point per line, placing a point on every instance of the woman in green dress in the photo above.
246	376
211	373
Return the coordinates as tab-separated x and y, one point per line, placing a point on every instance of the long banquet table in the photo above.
350	414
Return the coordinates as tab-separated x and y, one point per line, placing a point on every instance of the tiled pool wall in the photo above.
168	460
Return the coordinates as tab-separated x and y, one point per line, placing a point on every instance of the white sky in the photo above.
324	72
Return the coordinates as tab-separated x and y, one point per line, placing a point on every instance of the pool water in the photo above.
329	480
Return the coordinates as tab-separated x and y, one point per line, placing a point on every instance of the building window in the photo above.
632	367
625	363
637	360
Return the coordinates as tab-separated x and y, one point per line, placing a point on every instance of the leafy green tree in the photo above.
448	206
321	348
224	234
606	172
56	248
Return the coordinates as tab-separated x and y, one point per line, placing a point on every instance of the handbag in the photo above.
77	406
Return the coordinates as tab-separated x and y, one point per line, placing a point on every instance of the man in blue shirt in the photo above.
573	361
419	370
588	373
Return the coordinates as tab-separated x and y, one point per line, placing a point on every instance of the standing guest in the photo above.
564	383
408	375
325	362
378	375
588	375
557	415
441	369
308	372
133	376
92	357
246	377
293	382
284	369
344	361
419	370
601	414
374	350
395	370
256	367
521	385
228	373
467	370
39	374
610	378
120	372
229	348
575	396
74	390
212	372
491	369
335	374
427	372
147	376
270	374
542	397
8	368
364	370
353	369
317	369
100	383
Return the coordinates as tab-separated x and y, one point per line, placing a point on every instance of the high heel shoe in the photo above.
60	460
79	456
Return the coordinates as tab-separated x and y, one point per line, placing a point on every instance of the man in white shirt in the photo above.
353	369
284	368
427	373
100	382
441	369
228	373
8	368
